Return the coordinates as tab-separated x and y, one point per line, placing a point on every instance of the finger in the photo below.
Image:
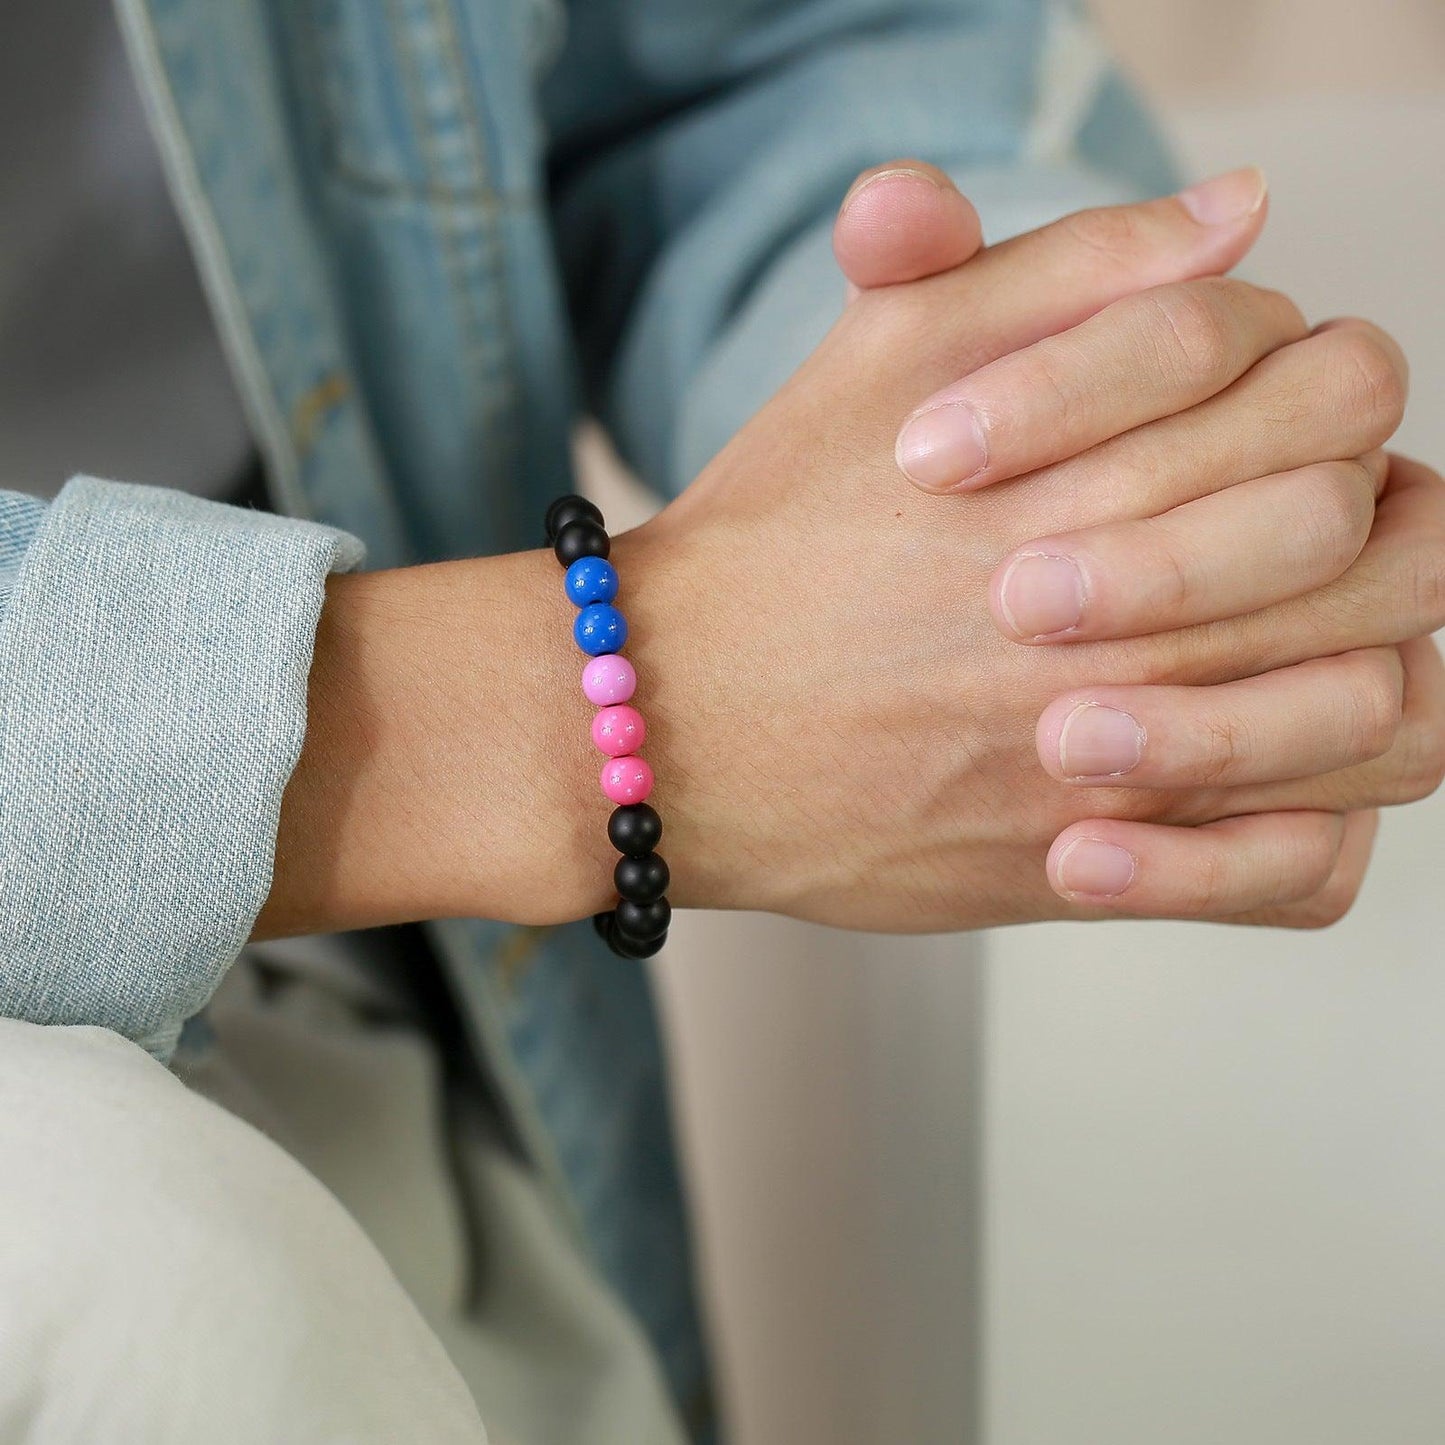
1146	356
1241	549
1146	870
1034	285
1338	393
1410	769
1395	591
903	221
1356	327
1337	897
1240	732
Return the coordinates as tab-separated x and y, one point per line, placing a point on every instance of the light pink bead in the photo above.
608	679
626	780
618	730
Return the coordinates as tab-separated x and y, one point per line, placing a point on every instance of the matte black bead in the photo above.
570	508
630	948
625	947
635	829
641	880
602	922
582	538
643	921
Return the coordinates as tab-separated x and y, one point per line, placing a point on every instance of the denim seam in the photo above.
447	230
472	281
412	85
482	197
503	401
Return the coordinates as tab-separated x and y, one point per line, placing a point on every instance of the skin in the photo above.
845	722
1235	550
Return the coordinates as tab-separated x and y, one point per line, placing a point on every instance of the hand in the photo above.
1238	550
838	729
864	752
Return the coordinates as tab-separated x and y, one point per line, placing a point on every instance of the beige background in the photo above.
1252	49
1136	1185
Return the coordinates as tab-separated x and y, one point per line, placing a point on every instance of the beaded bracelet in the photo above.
637	926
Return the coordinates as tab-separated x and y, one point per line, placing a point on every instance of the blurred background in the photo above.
1124	1183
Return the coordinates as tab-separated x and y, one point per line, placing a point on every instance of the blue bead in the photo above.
600	628
591	579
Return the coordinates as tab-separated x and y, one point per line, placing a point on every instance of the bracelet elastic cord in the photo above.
637	926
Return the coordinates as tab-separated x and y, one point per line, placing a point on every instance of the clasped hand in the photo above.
1066	578
1169	669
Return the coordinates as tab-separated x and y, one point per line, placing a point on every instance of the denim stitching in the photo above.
502	401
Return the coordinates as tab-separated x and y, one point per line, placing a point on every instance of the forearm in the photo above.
447	756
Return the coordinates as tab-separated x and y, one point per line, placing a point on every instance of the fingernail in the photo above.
1099	742
861	185
943	447
1097	869
1227	198
1042	596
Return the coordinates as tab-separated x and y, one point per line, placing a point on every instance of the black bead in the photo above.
641	880
570	508
582	538
643	921
625	947
602	922
635	829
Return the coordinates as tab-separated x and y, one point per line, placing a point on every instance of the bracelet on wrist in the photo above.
637	926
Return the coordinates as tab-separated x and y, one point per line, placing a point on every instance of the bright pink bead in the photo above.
608	679
626	780
618	730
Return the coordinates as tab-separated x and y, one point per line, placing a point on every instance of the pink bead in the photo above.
618	730
626	780
608	679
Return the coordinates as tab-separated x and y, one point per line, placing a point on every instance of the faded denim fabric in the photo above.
429	229
20	516
150	720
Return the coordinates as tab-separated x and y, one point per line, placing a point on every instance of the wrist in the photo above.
447	769
692	669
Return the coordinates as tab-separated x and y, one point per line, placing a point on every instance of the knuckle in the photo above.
1165	560
1112	234
1292	320
1420	768
1048	373
1226	744
1371	384
1418	471
1427	580
1340	513
1377	705
1329	906
1319	857
1202	894
1194	335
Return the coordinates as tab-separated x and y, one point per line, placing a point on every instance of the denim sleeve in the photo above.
154	655
700	153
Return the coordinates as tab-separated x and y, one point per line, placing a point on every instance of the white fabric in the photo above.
168	1275
171	1274
314	1041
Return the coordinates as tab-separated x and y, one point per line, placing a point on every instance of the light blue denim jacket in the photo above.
431	230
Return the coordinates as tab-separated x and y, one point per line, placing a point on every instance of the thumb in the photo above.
900	222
